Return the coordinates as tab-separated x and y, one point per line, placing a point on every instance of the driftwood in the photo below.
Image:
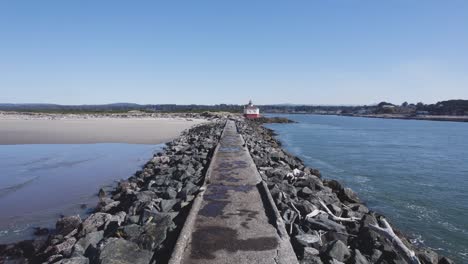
295	209
337	218
388	233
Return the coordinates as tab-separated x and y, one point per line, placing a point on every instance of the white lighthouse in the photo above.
251	111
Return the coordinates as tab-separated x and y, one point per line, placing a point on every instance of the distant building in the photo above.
251	111
422	112
388	106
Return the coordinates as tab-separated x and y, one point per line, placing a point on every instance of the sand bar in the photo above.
17	130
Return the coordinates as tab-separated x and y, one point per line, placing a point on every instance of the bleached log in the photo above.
295	209
291	225
337	218
387	232
313	213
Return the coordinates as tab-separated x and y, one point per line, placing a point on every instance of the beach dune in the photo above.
97	130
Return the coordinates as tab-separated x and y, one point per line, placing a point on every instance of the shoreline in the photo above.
142	217
458	119
423	118
85	129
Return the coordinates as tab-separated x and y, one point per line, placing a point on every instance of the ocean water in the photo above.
40	182
414	172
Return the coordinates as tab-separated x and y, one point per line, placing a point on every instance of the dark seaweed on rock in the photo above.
137	222
320	239
271	120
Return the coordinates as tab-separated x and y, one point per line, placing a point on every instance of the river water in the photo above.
414	172
38	183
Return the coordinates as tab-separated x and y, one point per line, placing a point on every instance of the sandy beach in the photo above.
18	130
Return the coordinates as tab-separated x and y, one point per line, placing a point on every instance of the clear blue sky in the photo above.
209	52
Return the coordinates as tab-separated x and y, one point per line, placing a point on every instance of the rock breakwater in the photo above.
327	222
138	221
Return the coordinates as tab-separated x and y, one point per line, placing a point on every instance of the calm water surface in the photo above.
414	172
40	182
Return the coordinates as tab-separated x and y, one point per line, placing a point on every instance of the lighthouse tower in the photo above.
251	111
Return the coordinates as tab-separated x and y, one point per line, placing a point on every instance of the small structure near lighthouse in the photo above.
251	111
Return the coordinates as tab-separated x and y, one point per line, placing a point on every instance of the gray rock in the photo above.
130	232
306	192
358	258
118	217
121	251
170	193
153	235
78	250
428	256
336	209
309	253
92	238
134	219
65	248
67	224
326	224
109	206
312	260
308	240
339	251
146	196
94	222
359	208
149	236
166	205
334	185
74	260
376	254
330	237
188	189
445	260
349	195
51	259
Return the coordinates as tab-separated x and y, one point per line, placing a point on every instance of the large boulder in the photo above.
358	258
153	235
166	205
94	222
64	248
74	260
339	251
308	240
445	260
121	251
309	253
349	195
428	256
149	236
67	224
92	239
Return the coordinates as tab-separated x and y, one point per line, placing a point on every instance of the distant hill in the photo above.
117	107
450	107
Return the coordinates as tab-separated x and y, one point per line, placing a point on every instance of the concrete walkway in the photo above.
234	221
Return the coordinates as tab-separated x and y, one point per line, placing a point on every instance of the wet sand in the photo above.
17	130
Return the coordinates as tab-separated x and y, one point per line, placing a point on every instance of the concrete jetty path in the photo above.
235	219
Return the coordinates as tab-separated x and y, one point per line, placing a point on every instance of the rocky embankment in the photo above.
270	120
327	222
139	221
